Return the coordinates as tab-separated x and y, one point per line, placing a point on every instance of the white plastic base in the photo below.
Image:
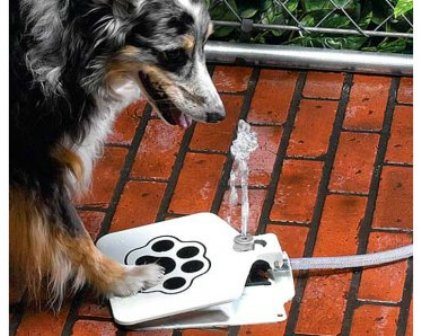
205	285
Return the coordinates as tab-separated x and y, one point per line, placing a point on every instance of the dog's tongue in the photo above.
181	119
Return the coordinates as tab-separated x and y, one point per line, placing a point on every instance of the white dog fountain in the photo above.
208	282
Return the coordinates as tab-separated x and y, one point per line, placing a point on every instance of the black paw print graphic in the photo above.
183	261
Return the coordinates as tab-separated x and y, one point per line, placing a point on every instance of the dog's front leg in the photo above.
50	249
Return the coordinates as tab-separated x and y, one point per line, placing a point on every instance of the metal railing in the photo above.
368	25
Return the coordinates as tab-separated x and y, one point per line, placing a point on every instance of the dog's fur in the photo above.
74	64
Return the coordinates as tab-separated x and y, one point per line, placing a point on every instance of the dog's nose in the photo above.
214	117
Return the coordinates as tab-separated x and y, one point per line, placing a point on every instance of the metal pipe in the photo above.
310	58
320	30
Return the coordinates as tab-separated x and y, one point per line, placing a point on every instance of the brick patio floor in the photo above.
332	176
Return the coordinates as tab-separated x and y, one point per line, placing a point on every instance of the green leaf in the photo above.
248	8
351	42
222	31
336	21
394	46
221	12
313	5
402	7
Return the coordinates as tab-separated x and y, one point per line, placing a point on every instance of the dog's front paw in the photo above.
138	278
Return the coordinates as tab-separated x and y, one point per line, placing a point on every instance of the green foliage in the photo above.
402	7
367	14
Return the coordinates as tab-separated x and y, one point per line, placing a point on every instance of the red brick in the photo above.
272	96
405	92
93	307
394	201
400	145
409	324
297	191
354	162
384	283
94	310
92	221
105	177
93	328
139	204
231	79
205	332
274	329
126	124
339	225
262	160
166	332
42	323
323	85
197	183
374	320
157	151
137	108
323	304
367	103
256	199
324	301
312	129
291	238
218	137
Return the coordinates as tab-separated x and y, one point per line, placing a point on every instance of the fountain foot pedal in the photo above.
207	283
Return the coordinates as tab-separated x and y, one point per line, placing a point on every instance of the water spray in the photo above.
241	149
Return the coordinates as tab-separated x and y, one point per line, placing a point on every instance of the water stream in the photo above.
241	149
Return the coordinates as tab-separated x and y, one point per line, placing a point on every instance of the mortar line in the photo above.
94	318
72	316
91	208
118	190
290	223
233	331
347	193
266	124
148	180
406	300
362	131
362	302
280	155
118	145
223	182
305	158
404	104
391	230
398	164
322	193
208	151
321	99
365	228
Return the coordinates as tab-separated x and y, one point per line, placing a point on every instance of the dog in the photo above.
74	65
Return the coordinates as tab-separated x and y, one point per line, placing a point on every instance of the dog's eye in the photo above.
175	55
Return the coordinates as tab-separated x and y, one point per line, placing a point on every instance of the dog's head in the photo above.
162	51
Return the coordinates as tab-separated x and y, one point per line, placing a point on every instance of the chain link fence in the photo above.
368	25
